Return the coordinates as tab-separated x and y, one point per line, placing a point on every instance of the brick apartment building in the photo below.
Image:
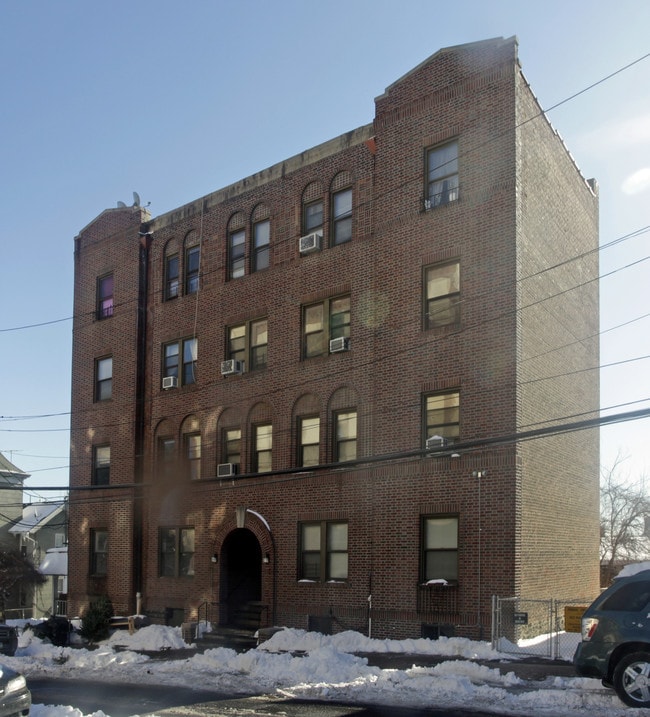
256	375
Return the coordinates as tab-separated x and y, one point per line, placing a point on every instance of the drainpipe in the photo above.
140	403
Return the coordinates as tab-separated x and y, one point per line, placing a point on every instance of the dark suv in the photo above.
615	643
8	639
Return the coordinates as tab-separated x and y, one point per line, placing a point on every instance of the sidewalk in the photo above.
528	668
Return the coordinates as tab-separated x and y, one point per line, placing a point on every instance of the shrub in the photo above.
96	619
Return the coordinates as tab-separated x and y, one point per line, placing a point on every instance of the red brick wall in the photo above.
473	94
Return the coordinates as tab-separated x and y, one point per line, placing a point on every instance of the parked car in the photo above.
8	640
15	697
615	643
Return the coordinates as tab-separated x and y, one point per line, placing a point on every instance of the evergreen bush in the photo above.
96	619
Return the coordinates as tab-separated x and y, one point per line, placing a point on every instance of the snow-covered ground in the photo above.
326	668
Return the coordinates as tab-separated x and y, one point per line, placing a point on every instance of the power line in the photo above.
406	182
443	452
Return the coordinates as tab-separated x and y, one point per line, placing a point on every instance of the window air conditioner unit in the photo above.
436	442
340	344
310	242
169	382
232	367
226	470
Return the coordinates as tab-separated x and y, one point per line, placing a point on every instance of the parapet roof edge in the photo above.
275	171
443	50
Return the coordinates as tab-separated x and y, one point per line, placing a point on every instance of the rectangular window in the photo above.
323	322
442	175
232	445
312	217
261	245
249	343
104	379
442	415
176	556
166	457
442	295
105	297
324	551
440	549
171	358
236	254
98	551
346	436
192	265
342	216
190	353
193	455
171	277
101	465
263	448
309	432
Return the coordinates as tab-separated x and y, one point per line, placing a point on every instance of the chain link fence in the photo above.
544	628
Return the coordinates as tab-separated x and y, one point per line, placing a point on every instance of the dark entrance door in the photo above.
240	578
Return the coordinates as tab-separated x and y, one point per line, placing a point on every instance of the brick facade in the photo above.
520	357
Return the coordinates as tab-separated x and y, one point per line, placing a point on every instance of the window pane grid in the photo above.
192	264
171	277
237	253
324	551
442	167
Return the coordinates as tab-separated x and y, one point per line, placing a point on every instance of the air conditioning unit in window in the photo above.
226	470
340	344
232	367
169	382
436	442
310	242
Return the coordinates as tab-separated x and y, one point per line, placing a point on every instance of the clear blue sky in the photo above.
177	99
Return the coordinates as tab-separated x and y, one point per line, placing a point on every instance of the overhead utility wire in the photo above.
443	452
541	113
456	333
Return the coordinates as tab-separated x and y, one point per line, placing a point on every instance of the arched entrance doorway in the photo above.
240	580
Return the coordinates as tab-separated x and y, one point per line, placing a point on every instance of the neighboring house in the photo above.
302	395
41	537
12	480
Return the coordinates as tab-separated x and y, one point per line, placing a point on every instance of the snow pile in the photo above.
299	664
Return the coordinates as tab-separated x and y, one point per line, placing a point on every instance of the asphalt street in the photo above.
125	700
